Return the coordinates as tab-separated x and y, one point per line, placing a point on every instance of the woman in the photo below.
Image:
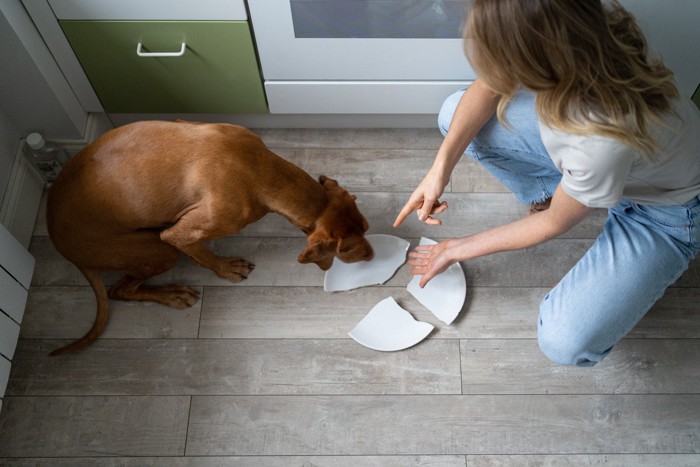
584	119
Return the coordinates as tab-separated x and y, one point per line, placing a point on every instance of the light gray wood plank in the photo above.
675	315
297	312
609	460
226	366
378	425
468	213
68	312
469	176
276	265
310	312
360	170
372	138
635	366
247	461
89	426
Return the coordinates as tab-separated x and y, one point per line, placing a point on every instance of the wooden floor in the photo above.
263	373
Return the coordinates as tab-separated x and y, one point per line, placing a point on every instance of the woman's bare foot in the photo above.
541	206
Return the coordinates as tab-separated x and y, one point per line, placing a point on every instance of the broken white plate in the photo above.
389	255
445	293
388	327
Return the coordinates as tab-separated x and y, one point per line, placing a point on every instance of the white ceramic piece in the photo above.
389	255
388	327
445	293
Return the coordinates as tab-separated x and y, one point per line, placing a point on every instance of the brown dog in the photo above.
142	193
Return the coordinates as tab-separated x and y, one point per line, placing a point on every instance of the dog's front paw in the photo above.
235	269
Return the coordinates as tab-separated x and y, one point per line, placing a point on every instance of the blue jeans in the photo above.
642	250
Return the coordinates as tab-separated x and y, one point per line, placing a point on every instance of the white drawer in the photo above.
165	10
359	97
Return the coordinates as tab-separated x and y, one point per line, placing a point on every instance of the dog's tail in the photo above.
101	317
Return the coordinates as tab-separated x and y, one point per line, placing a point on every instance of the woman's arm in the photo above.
563	213
475	108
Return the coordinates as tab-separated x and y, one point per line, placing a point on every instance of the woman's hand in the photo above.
430	260
425	201
476	106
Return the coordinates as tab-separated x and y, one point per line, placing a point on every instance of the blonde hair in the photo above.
587	64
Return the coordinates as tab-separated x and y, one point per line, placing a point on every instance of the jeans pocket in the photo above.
678	221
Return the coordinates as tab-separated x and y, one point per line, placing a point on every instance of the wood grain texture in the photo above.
247	461
59	312
91	425
637	366
609	460
276	265
379	425
232	366
263	373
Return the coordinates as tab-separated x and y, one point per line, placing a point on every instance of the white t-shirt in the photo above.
598	171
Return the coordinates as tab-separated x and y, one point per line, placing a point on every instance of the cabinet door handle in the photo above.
141	53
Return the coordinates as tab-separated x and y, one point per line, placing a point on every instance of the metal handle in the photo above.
141	53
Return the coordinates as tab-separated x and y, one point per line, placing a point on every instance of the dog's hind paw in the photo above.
174	295
178	296
235	269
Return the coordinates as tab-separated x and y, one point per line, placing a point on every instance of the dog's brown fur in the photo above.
142	193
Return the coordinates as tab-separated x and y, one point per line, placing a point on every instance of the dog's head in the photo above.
339	231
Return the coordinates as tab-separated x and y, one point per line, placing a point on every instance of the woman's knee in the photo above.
447	111
566	341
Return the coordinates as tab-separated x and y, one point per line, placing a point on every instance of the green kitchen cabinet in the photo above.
169	66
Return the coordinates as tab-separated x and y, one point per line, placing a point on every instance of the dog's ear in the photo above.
353	249
327	183
318	251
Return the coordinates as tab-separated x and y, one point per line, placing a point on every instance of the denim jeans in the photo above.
642	250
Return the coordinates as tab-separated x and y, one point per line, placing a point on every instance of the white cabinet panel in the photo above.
287	54
15	259
4	375
16	269
9	333
360	97
13	297
219	10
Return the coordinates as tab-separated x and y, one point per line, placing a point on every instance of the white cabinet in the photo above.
16	269
380	57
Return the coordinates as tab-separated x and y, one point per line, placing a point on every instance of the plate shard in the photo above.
389	254
388	327
444	295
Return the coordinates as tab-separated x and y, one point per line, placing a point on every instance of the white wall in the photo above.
9	140
34	94
673	29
